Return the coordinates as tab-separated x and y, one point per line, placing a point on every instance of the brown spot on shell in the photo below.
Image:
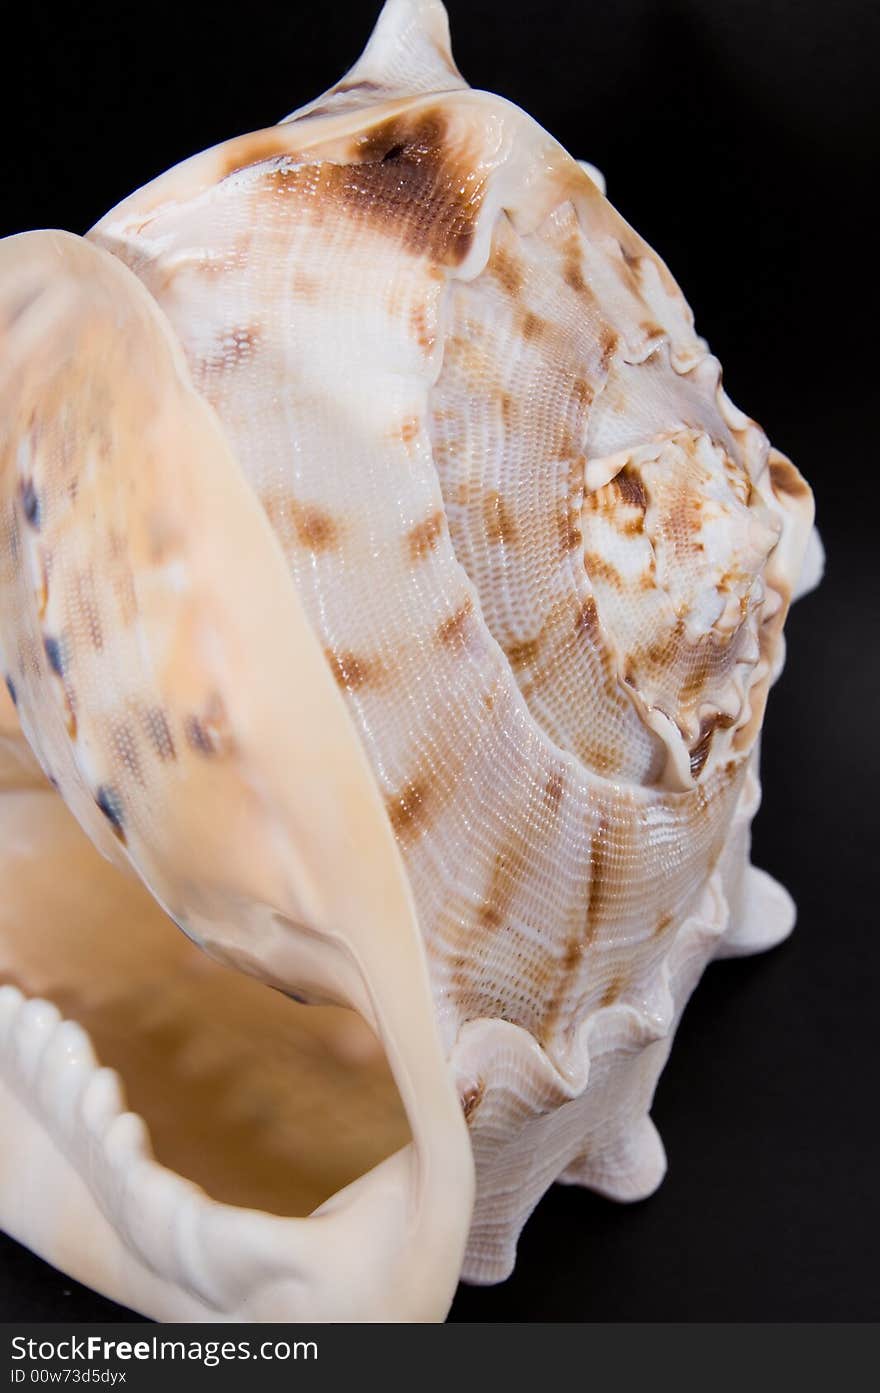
421	330
598	568
581	391
504	266
599	877
409	429
523	652
453	631
423	538
608	342
570	535
586	619
315	529
532	326
662	924
508	868
613	991
407	179
350	671
408	810
497	521
574	276
786	479
231	348
253	149
628	484
508	411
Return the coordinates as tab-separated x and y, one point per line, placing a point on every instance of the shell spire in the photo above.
408	53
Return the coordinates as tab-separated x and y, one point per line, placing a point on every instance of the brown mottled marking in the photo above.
652	330
159	733
629	485
508	410
472	1098
662	924
581	391
786	479
408	810
507	872
684	520
574	951
570	535
409	429
452	631
231	347
608	342
532	326
613	991
423	538
553	792
314	527
599	569
497	521
208	733
522	653
252	149
350	671
573	275
599	877
586	619
507	270
631	259
408	180
421	330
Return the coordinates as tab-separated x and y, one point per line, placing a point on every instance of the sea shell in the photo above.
388	582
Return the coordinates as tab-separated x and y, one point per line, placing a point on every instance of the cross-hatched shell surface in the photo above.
389	581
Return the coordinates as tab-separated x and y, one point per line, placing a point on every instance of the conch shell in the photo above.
391	593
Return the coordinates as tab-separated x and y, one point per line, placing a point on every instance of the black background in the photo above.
740	139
